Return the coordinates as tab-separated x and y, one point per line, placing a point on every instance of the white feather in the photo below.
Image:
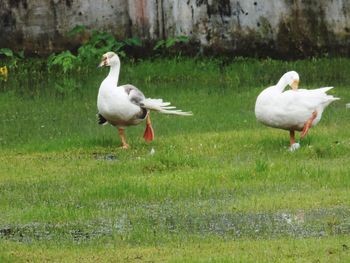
162	107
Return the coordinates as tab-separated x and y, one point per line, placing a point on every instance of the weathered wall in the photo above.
284	27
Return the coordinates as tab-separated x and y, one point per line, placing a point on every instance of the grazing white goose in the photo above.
292	110
126	105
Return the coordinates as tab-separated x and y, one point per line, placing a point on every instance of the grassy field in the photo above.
220	187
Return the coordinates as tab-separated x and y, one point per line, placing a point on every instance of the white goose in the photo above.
292	110
126	105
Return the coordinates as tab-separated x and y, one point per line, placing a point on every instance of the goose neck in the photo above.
281	84
114	73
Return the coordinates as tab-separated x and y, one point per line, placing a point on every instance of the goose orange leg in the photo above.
122	137
308	125
292	137
149	133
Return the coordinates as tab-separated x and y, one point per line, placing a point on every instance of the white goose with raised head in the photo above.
126	105
292	110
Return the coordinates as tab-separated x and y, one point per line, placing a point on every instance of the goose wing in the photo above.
309	100
135	95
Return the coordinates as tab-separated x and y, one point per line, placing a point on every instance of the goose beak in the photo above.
102	63
295	84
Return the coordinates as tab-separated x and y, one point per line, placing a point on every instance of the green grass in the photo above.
282	250
220	187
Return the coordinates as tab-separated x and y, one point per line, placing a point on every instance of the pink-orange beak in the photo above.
295	84
103	62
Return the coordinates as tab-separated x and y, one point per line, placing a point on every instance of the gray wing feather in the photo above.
135	95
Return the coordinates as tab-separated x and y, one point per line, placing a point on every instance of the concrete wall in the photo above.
247	27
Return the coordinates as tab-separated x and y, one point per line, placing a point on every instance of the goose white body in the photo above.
114	105
126	105
290	110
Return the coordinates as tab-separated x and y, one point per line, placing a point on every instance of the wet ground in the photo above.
163	219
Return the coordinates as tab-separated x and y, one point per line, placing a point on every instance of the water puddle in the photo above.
314	223
105	157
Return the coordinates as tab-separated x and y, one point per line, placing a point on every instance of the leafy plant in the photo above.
134	41
170	42
20	54
12	57
76	31
6	52
102	42
98	44
66	60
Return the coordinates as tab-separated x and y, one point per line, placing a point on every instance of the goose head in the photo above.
291	78
109	59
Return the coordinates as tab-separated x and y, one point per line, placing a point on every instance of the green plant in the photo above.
133	41
76	31
12	57
66	60
102	42
170	42
97	44
6	52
